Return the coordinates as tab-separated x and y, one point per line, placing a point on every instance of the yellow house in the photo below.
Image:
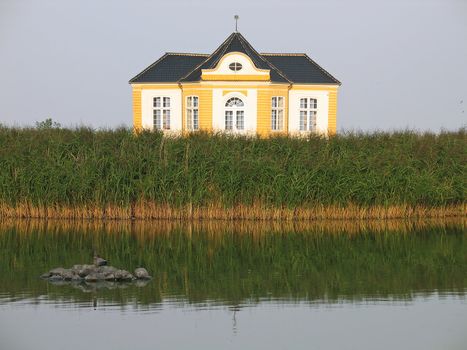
237	90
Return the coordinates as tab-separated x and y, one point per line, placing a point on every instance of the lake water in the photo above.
243	285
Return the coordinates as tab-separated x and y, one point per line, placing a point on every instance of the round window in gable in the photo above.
235	66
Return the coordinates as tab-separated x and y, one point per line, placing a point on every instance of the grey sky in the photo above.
403	63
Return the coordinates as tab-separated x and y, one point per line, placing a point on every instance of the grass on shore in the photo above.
83	173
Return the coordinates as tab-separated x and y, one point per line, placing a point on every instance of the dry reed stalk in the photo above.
144	210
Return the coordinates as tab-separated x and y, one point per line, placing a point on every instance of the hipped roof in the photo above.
187	67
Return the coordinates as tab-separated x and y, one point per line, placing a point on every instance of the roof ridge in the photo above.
187	54
323	70
265	60
283	54
150	66
248	46
223	51
198	66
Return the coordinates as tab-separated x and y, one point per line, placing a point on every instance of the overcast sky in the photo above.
402	63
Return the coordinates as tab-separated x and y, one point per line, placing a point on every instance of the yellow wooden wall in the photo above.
205	107
332	116
137	115
265	94
263	126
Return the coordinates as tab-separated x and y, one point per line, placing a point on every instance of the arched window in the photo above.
234	101
234	114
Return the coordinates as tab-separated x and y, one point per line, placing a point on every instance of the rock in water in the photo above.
76	278
94	277
110	277
67	275
123	275
142	274
57	271
86	270
76	268
46	275
95	273
107	269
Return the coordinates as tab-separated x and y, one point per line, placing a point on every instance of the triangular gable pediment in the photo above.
235	43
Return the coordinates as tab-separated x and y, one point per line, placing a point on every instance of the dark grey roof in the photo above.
236	43
284	68
169	68
299	68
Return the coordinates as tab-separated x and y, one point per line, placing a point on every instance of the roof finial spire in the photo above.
236	23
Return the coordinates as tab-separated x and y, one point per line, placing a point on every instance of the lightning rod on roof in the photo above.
236	22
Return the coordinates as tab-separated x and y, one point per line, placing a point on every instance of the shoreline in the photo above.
153	211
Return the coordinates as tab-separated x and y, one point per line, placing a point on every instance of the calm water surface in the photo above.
218	285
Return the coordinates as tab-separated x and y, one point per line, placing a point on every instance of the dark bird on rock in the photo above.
98	261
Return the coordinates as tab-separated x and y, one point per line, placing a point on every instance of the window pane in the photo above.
166	119
234	101
280	119
274	119
195	101
157	102
240	120
280	102
303	120
189	120
157	119
313	103
274	102
303	103
195	120
312	120
228	120
188	102
166	102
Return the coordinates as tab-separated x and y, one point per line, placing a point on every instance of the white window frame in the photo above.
162	110
277	113
308	112
192	113
234	111
235	66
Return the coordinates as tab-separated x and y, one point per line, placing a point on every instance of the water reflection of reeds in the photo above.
146	229
241	262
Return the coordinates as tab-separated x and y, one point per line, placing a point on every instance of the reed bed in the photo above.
116	174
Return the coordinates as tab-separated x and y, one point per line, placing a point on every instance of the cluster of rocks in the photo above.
95	273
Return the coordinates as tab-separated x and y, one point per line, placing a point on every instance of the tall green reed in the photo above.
97	167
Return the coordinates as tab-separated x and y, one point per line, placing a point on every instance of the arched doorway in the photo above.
234	114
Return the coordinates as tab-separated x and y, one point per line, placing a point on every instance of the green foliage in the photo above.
47	124
47	166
